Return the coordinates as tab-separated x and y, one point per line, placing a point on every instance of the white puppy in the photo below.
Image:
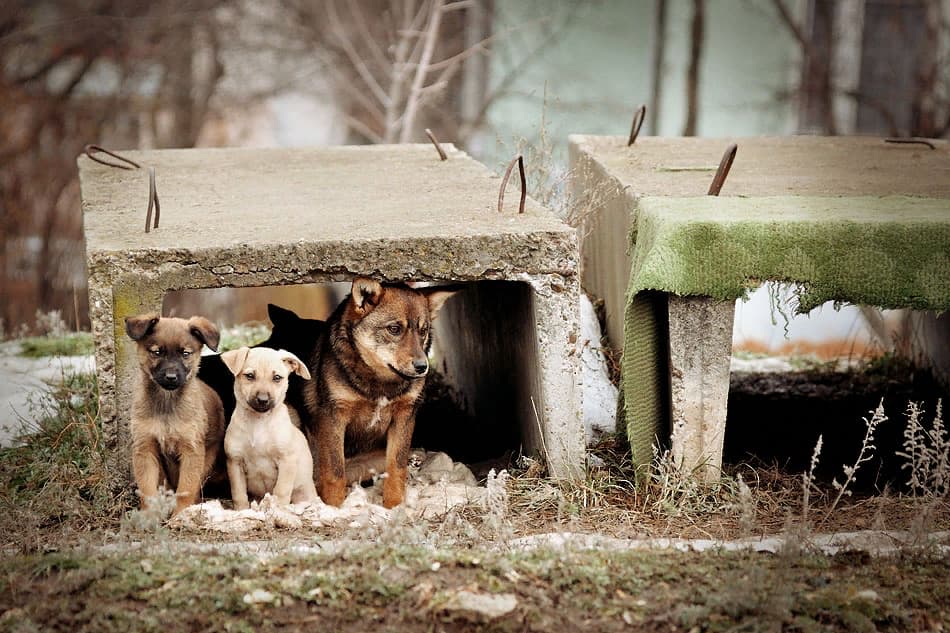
266	452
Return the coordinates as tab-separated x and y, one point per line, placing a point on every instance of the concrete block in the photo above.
804	168
700	331
268	217
764	167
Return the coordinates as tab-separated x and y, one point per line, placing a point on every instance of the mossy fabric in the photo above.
890	252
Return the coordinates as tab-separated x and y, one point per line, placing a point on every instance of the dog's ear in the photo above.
436	296
279	315
366	294
138	327
235	359
205	331
296	365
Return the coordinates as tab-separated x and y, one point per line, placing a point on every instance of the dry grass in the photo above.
54	482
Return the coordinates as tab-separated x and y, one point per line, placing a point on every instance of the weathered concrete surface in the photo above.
700	351
764	166
241	218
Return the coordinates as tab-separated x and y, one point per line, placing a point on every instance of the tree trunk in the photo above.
659	51
695	58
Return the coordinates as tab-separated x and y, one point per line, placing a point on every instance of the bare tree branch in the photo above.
369	39
358	64
796	29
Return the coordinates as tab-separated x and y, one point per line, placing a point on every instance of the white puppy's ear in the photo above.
235	359
296	365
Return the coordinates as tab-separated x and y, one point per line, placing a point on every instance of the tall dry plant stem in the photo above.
864	455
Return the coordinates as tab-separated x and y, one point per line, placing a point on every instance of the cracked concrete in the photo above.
261	217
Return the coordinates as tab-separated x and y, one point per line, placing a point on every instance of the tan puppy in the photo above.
266	452
177	420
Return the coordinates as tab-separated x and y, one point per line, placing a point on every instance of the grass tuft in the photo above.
67	344
55	475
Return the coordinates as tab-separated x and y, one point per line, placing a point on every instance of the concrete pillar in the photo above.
700	348
557	328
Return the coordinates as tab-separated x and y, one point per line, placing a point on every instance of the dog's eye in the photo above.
249	375
394	328
278	377
186	353
156	352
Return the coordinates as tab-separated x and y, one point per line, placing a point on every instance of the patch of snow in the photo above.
25	386
599	394
435	488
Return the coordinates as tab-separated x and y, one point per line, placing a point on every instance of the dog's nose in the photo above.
420	366
171	377
262	399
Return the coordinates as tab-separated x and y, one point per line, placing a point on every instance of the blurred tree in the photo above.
872	67
79	71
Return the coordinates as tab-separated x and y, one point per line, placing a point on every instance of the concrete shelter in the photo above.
855	219
265	217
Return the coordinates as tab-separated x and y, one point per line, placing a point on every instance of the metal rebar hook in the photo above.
91	151
504	184
724	166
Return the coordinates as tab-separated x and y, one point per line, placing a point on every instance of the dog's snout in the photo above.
420	365
169	377
261	402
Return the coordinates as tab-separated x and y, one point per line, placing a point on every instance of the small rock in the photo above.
867	594
490	606
258	596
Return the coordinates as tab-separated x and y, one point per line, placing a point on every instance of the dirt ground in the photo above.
659	554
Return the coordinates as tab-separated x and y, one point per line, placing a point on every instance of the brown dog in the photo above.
369	368
177	420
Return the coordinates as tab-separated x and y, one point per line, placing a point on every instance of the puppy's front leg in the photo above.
330	434
398	438
190	477
147	470
286	478
238	484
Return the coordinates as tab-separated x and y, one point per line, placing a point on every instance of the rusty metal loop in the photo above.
724	166
435	142
153	203
638	118
911	141
91	150
504	184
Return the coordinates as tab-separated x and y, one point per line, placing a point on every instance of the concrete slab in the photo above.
262	217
